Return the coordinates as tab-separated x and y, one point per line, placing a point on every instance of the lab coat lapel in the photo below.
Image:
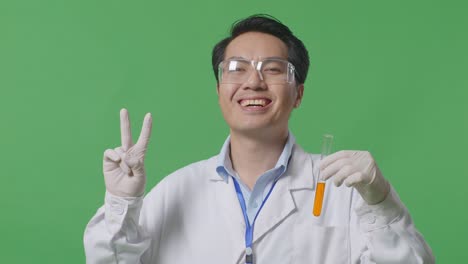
230	212
280	205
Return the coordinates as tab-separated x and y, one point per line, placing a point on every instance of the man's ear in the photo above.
300	93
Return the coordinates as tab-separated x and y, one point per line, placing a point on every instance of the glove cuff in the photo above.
376	191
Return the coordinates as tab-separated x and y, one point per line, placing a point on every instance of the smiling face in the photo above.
255	106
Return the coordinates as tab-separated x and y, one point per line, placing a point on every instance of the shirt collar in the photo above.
224	164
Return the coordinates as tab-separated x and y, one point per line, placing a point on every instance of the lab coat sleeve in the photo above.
113	235
388	233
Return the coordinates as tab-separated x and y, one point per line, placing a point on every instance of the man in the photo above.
252	203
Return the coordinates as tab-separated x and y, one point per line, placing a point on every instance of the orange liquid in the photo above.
319	192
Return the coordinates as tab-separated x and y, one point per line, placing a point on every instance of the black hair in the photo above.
297	53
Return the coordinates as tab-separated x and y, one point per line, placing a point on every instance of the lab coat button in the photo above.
369	219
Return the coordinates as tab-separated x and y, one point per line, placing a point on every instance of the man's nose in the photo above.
255	81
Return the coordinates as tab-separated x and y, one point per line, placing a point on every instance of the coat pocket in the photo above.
315	243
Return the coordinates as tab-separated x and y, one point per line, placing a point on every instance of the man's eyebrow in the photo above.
265	58
275	58
236	58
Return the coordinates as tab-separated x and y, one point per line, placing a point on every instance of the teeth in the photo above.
261	102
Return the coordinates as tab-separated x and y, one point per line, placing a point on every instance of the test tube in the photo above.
320	187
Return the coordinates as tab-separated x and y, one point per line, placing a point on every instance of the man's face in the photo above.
255	106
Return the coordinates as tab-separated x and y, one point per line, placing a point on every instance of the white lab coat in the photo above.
193	216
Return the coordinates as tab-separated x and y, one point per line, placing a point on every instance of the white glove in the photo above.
357	169
123	167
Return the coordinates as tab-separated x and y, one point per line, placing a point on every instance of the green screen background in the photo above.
386	76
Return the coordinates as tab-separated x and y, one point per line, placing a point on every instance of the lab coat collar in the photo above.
303	169
224	165
280	205
300	175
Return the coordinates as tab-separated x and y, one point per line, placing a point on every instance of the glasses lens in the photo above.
235	71
272	71
275	71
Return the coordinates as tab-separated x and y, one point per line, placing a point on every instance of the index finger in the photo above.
334	157
145	131
125	132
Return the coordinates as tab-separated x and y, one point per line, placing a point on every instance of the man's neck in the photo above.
251	156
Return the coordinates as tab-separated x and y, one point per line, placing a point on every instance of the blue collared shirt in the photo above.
263	184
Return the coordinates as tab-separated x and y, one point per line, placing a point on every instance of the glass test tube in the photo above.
320	187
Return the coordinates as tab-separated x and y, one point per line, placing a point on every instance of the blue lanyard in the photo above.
249	228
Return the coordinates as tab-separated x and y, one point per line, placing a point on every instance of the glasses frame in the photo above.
257	66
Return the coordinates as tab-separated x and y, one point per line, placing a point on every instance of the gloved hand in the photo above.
357	169
123	167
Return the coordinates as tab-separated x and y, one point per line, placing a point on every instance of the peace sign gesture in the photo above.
123	167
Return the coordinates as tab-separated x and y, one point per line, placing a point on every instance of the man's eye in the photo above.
272	70
237	70
236	67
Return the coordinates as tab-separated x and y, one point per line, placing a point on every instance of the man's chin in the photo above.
257	130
